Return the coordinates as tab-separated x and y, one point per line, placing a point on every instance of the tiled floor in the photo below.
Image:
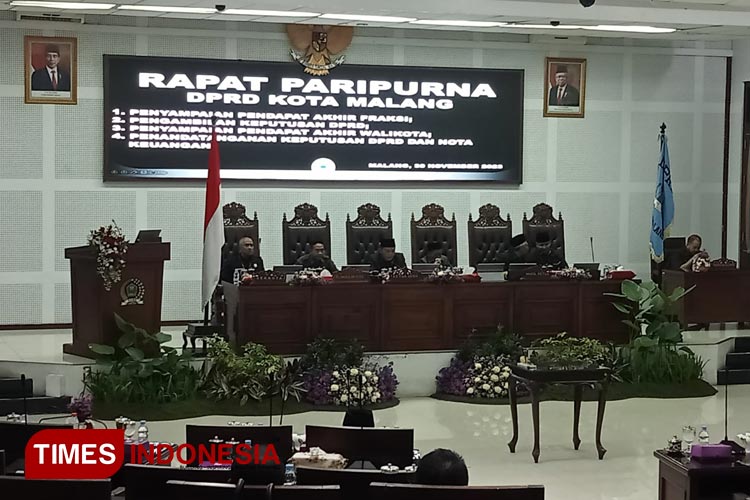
632	430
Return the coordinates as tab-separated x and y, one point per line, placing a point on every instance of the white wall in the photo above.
599	171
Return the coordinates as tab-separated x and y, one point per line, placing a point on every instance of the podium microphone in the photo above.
25	401
591	241
737	449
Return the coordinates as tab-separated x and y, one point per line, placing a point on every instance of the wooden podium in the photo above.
137	297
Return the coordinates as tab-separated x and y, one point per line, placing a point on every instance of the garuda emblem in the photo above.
317	48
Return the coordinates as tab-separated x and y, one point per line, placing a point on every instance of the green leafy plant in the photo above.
252	374
653	354
140	368
494	343
569	353
328	354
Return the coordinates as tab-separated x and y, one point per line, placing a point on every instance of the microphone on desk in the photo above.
591	241
25	401
737	449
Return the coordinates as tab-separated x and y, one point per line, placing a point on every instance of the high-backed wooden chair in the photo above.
184	490
18	487
363	234
489	237
354	483
303	230
543	220
383	491
238	225
433	227
149	482
280	436
380	446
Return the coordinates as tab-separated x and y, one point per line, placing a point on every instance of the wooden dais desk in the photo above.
535	380
424	316
681	478
718	297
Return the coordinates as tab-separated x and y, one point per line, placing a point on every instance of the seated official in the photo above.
543	255
687	258
442	467
317	258
519	252
244	258
435	255
387	257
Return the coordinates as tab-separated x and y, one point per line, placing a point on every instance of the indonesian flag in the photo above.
213	226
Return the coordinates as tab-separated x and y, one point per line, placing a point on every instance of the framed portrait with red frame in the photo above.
50	70
564	87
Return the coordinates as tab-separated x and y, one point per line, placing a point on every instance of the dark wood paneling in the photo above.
347	311
483	307
719	296
597	316
413	317
278	317
423	316
546	307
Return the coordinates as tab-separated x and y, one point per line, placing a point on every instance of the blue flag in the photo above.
663	214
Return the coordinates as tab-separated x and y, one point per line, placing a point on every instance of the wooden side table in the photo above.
535	380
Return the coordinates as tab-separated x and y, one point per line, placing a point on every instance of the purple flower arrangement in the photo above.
83	407
453	379
351	386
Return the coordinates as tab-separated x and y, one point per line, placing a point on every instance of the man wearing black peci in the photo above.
387	257
543	255
243	257
519	251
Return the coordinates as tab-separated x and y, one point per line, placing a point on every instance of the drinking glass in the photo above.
688	436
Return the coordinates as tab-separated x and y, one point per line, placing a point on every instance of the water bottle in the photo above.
142	432
290	476
703	435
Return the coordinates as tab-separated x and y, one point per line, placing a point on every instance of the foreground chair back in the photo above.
383	491
18	487
185	490
354	483
377	445
149	482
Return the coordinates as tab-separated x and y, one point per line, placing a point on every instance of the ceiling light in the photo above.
270	13
64	5
468	24
163	8
544	26
630	29
369	19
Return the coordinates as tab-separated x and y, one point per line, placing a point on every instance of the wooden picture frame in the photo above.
50	70
564	87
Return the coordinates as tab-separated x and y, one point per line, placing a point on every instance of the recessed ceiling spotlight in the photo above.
587	3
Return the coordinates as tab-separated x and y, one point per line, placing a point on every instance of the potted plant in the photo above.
570	353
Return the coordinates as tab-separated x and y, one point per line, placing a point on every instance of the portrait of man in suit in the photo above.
50	70
565	87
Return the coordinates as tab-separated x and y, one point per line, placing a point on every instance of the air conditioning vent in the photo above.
55	18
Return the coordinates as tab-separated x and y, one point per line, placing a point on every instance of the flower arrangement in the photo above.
481	367
307	277
369	383
82	406
572	273
446	275
335	372
110	246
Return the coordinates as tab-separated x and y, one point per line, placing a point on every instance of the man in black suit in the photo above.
543	255
563	94
244	258
317	258
51	77
387	257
